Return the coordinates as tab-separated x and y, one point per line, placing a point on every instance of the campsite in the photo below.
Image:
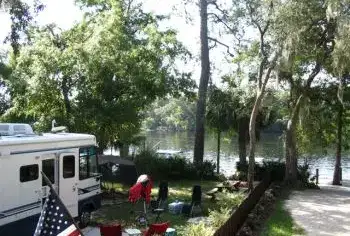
174	117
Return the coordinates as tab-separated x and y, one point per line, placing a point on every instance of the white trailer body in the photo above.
69	161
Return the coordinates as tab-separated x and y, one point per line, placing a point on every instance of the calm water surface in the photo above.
269	147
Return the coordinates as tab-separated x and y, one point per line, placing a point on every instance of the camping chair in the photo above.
196	198
141	191
162	194
111	230
158	229
160	204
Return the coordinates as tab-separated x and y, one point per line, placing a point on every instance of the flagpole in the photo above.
60	200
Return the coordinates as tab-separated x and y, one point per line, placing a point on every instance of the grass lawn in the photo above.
280	223
178	190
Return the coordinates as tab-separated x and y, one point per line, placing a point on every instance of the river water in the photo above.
269	147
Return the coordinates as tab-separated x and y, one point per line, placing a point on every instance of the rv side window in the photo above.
68	166
29	173
87	163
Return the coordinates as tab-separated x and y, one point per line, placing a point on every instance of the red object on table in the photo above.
142	189
111	230
157	229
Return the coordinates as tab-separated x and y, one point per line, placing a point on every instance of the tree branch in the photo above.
313	74
271	67
222	44
211	47
262	31
232	31
261	71
223	12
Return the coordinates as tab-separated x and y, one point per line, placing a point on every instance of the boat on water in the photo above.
168	153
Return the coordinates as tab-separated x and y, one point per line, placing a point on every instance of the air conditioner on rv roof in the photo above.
9	129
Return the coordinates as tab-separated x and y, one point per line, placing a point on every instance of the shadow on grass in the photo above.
281	223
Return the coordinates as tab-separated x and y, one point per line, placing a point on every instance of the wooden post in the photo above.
317	175
341	174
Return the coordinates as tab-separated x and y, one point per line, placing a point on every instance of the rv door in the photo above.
68	181
50	167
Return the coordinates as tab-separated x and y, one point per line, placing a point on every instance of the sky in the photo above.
64	13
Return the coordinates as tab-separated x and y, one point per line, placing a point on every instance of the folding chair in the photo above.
158	229
196	198
111	230
161	200
162	194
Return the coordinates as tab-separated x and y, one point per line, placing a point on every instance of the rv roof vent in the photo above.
11	129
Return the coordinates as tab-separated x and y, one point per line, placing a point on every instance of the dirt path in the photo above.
322	212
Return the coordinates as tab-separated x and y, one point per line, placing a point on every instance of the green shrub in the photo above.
304	177
148	162
229	200
198	230
277	170
219	217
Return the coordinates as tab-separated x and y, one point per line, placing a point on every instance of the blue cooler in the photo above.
175	207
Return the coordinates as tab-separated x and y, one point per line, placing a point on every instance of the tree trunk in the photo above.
124	150
67	105
218	153
291	154
243	126
252	140
336	176
203	85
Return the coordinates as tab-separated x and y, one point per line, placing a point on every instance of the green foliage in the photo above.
242	102
21	18
198	230
159	168
305	178
175	114
220	112
227	200
99	76
219	217
276	168
318	118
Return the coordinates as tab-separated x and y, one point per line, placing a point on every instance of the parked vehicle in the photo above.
68	160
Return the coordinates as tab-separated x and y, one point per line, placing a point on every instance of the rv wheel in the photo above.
85	217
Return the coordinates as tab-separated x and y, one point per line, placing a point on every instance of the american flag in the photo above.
55	219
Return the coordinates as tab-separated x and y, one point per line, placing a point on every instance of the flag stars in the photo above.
54	219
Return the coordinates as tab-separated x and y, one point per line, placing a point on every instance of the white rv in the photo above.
70	162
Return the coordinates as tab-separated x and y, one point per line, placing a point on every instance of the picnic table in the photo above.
230	186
